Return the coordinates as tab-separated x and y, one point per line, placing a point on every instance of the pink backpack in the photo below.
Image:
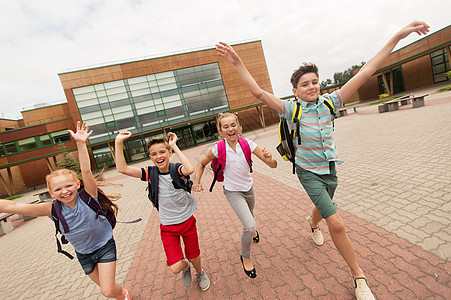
218	164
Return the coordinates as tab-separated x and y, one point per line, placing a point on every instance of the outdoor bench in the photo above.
394	104
343	111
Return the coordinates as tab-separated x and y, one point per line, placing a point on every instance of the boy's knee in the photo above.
336	226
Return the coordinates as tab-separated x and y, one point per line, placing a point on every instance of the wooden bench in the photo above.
5	223
394	104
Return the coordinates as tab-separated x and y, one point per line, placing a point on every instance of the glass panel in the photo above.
2	151
45	140
82	90
114	84
11	148
102	157
28	147
60	136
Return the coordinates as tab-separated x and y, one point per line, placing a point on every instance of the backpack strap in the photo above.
56	217
179	180
331	108
96	207
297	113
221	162
246	150
152	184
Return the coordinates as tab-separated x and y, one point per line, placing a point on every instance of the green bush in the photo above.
13	197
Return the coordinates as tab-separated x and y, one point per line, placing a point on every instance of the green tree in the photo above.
68	162
341	77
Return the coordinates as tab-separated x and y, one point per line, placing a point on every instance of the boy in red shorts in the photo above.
173	201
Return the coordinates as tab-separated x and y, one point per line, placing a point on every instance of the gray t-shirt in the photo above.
175	206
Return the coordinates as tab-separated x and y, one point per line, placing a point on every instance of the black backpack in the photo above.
57	216
178	181
286	147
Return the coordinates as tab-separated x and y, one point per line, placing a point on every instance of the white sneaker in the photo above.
362	290
317	235
186	276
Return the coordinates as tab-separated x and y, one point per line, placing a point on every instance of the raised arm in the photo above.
226	51
81	137
265	156
187	166
197	187
376	61
121	164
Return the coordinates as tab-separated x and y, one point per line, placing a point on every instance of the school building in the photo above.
181	93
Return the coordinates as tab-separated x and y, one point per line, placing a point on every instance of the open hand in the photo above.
226	51
82	132
420	27
123	135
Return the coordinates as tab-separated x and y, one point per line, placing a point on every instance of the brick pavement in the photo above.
396	210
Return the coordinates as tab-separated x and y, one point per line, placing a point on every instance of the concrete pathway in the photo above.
393	194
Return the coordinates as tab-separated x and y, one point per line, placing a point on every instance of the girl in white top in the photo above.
238	184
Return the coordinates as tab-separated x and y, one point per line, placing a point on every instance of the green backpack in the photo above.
286	146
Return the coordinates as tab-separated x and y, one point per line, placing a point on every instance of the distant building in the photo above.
422	63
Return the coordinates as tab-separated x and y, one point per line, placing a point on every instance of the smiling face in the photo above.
160	154
308	88
229	127
64	188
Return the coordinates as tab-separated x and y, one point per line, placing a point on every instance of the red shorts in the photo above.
170	236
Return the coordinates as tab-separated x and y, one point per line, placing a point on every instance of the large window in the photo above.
34	142
440	65
150	102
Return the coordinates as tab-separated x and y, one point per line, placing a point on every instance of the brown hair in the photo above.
159	140
69	173
225	115
303	69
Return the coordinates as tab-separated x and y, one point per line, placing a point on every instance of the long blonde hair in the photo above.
69	173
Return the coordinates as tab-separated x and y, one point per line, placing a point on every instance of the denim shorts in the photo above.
104	254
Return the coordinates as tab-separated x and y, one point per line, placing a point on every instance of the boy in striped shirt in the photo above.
317	155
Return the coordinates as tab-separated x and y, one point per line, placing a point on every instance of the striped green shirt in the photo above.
317	146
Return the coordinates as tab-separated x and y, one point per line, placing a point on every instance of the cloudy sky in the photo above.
39	39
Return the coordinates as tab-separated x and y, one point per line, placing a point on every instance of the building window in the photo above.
60	136
11	148
150	102
440	65
27	144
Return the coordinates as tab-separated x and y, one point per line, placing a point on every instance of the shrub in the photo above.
382	96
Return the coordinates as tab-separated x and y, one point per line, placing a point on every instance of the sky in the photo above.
40	39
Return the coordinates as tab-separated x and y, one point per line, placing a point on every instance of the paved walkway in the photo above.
394	196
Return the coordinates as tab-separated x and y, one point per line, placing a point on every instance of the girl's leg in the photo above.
104	275
242	206
343	243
